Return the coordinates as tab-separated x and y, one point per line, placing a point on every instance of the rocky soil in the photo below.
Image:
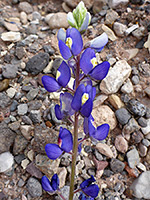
28	50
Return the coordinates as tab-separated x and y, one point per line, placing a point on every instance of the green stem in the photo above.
75	141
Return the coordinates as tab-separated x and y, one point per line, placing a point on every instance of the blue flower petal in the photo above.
77	42
85	61
83	197
76	102
66	139
65	74
64	50
85	22
61	35
99	42
58	112
87	182
101	132
91	190
50	84
53	151
46	185
55	182
100	71
87	107
66	100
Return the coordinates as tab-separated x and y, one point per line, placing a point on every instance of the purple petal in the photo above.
100	71
64	50
46	185
91	126
85	61
101	132
53	151
67	140
91	191
65	74
77	42
55	182
61	35
87	107
87	182
76	102
85	23
66	100
50	84
99	42
58	112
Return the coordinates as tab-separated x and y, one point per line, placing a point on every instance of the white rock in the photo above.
147	43
114	3
127	87
6	161
23	17
116	77
11	92
146	130
119	29
131	29
103	114
11	36
25	163
62	173
132	53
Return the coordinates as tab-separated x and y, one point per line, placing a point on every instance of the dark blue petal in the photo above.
61	35
50	84
86	125
93	93
55	182
66	139
65	74
100	71
58	112
77	42
99	42
53	151
83	197
91	126
85	61
91	190
101	132
87	182
46	185
87	107
76	102
64	50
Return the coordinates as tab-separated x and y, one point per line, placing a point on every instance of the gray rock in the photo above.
116	165
136	108
21	182
34	105
26	7
26	120
141	185
34	171
146	142
20	52
13	106
115	3
135	79
133	158
131	126
35	116
146	130
4	100
7	137
9	71
147	115
119	29
19	158
48	49
123	116
22	109
34	187
37	63
32	93
6	161
36	15
137	136
142	122
111	17
32	29
20	144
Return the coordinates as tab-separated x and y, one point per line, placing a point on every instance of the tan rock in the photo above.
104	114
109	32
62	173
132	53
105	150
121	144
115	101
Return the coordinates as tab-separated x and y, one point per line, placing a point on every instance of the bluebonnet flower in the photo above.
65	144
83	197
62	78
99	42
90	66
52	186
99	133
83	99
89	188
64	109
80	18
72	45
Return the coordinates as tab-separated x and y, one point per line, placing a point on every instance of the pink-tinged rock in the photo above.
121	144
104	149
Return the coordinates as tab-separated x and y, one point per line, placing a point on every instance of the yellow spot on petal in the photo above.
85	97
94	62
58	75
69	42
